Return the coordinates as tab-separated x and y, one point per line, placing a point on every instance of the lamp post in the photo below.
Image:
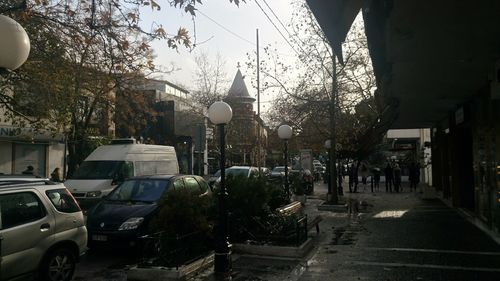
14	50
328	146
220	113
14	46
285	133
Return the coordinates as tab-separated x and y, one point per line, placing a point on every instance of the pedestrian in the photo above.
350	178
389	176
364	174
397	178
355	180
376	178
30	170
56	176
414	175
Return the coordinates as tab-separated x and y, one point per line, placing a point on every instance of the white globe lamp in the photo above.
14	44
220	113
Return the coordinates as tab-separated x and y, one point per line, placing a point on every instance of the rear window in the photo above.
237	172
19	208
62	200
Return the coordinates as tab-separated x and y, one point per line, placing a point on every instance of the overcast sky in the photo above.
230	30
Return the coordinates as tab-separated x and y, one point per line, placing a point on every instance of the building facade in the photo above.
246	133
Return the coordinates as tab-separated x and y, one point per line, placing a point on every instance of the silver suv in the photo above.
42	230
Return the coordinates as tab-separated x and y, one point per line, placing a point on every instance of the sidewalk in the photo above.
399	236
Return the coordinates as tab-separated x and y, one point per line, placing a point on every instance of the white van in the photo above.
109	165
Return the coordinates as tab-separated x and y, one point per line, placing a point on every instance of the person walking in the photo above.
376	178
414	176
55	176
397	178
30	170
351	177
389	176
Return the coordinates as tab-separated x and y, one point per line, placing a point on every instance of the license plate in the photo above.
99	238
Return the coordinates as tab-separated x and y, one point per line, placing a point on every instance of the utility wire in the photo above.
226	29
277	29
237	35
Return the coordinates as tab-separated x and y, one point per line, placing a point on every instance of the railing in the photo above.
162	249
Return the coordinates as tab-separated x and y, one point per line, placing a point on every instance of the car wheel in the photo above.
59	265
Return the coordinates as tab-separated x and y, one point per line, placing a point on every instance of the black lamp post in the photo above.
220	113
285	133
328	146
14	46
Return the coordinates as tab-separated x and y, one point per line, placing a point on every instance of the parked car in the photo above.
109	165
42	229
234	171
213	179
126	212
278	171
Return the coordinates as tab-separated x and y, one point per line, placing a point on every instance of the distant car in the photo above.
214	178
42	229
278	171
124	215
234	171
266	172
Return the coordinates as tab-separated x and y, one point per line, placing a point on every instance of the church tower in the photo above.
242	130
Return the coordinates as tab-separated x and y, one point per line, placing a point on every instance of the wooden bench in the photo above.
296	208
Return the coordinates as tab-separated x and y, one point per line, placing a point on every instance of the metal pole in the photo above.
287	187
258	104
329	182
222	259
333	171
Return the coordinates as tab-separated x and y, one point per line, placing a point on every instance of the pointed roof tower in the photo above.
238	90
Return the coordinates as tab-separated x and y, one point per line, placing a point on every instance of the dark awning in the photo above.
335	18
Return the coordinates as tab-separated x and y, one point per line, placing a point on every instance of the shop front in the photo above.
21	148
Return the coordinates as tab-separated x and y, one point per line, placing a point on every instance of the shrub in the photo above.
185	221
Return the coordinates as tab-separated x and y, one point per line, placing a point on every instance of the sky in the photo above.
224	28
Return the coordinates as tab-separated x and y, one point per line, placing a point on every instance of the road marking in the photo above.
434	251
431	266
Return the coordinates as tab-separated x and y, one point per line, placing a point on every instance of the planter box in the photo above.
275	251
166	273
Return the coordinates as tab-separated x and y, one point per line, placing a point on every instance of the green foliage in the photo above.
251	202
184	211
185	221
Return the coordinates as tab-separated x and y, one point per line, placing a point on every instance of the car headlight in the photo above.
131	223
94	194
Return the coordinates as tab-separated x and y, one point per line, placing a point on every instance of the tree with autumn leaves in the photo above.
305	96
84	58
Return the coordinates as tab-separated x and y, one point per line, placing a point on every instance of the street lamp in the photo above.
285	133
220	113
328	146
15	44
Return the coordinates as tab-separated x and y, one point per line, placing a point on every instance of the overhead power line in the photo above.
236	34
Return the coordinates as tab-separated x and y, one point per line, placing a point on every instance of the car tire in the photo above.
58	265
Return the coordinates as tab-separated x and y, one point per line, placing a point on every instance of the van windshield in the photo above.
104	170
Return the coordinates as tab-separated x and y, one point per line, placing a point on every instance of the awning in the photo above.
335	18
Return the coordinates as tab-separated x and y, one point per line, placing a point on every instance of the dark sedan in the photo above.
124	215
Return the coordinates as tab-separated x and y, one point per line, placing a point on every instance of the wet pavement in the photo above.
397	236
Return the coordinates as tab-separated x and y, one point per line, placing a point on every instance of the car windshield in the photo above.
101	170
279	169
139	190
